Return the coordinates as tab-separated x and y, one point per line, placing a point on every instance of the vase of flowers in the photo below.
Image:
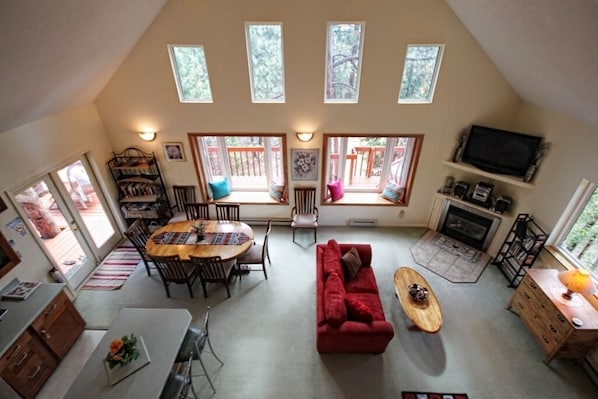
122	351
198	228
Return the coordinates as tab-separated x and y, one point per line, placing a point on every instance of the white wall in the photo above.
33	149
142	93
573	155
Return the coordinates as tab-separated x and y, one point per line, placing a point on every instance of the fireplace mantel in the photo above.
493	176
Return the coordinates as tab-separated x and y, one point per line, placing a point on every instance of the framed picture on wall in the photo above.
174	151
304	164
8	257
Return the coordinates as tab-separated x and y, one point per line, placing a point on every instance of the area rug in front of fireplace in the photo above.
446	263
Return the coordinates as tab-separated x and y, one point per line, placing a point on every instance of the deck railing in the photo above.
247	164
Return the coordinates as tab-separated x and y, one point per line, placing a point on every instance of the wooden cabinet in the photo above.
59	325
27	365
520	248
537	302
35	335
141	190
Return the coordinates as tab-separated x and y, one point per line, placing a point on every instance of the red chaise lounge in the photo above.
350	317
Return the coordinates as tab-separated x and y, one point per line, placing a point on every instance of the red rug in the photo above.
433	395
115	269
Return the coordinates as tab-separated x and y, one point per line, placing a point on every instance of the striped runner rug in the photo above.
115	269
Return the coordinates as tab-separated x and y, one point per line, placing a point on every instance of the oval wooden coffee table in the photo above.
426	315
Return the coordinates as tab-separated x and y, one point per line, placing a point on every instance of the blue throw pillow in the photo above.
393	192
276	191
220	189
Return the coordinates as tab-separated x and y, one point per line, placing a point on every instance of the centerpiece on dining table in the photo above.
122	351
198	227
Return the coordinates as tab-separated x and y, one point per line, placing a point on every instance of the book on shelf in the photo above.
22	290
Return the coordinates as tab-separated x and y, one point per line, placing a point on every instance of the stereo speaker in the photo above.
502	204
460	189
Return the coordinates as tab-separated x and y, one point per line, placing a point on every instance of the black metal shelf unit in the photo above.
520	249
141	188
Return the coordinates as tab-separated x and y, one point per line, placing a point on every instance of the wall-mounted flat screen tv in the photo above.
500	151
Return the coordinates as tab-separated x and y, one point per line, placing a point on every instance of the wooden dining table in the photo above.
227	239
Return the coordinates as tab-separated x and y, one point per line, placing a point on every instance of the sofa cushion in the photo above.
364	281
357	310
352	262
335	309
372	301
332	259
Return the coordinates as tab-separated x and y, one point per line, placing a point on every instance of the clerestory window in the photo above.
344	49
420	73
190	72
265	58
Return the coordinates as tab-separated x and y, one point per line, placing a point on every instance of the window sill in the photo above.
369	199
250	197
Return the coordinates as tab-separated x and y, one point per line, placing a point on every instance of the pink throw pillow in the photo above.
336	190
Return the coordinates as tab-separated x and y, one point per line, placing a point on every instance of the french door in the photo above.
68	215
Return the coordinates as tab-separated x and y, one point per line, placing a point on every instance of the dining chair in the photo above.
197	211
182	196
227	211
257	254
194	345
173	270
138	233
304	215
213	270
178	383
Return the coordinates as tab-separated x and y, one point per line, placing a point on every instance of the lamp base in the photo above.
574	302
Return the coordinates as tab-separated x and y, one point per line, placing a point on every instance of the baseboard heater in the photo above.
363	222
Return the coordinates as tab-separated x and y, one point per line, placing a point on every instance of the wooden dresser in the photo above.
36	333
549	320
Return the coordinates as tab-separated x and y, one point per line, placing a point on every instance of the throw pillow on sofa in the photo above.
358	311
352	262
335	309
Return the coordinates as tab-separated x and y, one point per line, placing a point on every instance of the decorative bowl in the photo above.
418	293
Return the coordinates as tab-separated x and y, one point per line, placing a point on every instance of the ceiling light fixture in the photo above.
305	136
147	136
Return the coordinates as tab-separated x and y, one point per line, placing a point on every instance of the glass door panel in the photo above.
86	204
57	230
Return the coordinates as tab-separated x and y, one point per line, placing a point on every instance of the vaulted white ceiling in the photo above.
60	54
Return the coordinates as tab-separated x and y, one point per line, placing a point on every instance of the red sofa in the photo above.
350	317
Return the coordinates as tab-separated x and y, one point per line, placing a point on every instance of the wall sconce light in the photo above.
575	281
305	136
147	136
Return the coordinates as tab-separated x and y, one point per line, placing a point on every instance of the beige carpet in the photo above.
463	264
